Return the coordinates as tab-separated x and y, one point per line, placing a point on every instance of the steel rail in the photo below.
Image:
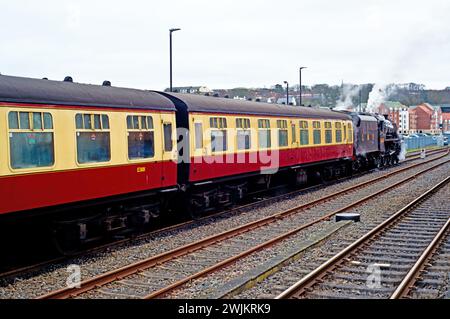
305	284
404	288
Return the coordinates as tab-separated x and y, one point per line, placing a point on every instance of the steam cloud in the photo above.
345	101
379	94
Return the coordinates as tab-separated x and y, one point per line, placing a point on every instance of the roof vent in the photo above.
106	83
206	94
44	78
68	79
216	95
227	96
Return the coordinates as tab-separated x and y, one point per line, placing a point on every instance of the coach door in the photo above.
168	144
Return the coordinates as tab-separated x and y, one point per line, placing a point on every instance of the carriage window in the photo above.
93	140
338	132
13	120
79	121
218	122
282	133
30	145
37	121
294	133
167	127
141	140
105	122
316	133
96	121
24	120
264	138
243	134
350	133
345	133
218	140
304	133
87	121
48	121
218	134
328	133
198	135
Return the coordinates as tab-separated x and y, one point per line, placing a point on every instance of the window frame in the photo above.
91	130
264	125
282	127
218	123
328	127
317	128
164	124
224	140
293	133
202	139
31	130
243	124
338	129
140	128
349	133
304	127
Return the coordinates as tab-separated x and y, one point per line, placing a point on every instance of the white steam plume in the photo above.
345	103
379	94
402	155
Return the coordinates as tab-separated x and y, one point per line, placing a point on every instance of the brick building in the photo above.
445	118
397	113
425	118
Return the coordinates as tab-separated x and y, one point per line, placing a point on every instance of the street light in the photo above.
287	92
170	36
300	72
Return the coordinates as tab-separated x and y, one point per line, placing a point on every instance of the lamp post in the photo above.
170	36
287	92
300	75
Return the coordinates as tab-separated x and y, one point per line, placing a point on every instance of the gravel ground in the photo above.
54	277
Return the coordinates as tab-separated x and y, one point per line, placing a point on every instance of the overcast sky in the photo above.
226	44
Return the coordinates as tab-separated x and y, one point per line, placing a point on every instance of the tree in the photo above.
278	88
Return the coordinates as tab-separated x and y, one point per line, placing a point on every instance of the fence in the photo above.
422	141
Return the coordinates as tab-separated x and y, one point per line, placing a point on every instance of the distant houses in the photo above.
190	89
282	100
422	118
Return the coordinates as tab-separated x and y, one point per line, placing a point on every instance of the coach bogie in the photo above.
301	177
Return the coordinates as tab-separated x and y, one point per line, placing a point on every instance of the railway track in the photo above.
159	275
389	261
263	201
428	152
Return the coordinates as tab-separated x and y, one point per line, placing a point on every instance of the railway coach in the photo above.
231	146
88	149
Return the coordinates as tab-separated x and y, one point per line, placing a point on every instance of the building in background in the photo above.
397	113
292	100
445	109
190	89
425	118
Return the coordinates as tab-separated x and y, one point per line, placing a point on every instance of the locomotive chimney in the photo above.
68	79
